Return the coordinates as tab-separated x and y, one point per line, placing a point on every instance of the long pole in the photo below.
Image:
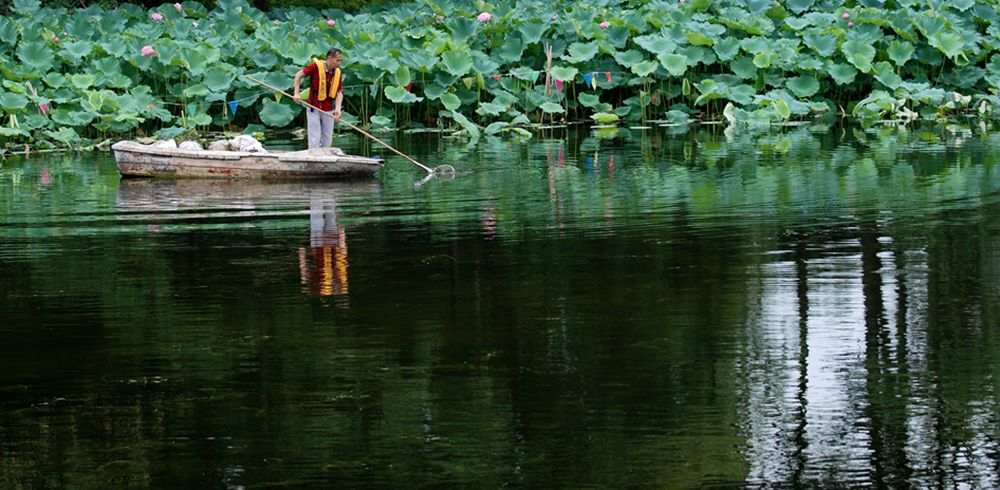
383	143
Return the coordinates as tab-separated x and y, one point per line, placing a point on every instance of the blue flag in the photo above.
233	105
587	77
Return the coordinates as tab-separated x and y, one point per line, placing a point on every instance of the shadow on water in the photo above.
661	307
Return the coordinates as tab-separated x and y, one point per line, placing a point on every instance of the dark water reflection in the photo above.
816	307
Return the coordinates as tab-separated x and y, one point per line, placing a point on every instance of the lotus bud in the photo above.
850	24
179	7
484	17
147	50
331	22
55	40
156	17
846	16
604	24
555	16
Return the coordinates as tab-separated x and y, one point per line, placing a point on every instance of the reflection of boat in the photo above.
167	194
139	160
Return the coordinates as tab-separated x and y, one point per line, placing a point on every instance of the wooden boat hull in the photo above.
138	160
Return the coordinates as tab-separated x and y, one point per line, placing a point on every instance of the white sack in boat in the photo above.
168	144
245	142
191	145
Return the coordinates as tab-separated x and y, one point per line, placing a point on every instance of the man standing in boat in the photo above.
325	88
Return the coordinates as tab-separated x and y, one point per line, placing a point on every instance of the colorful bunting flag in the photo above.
232	106
277	97
593	81
534	76
496	77
468	81
559	85
608	74
587	77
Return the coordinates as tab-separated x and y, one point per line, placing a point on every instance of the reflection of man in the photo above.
328	246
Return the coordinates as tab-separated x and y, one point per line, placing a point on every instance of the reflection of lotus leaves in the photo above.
606	133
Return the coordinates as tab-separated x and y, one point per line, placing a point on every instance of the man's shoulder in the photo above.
310	69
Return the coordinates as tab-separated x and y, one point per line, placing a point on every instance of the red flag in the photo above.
559	85
608	74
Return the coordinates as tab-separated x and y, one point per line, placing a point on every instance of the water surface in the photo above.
813	307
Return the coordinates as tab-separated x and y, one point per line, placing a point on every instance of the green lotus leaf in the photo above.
842	73
727	48
27	8
564	73
645	68
471	128
511	49
949	43
9	132
76	50
824	44
199	120
264	58
532	31
803	86
380	121
36	56
299	53
218	80
434	91
114	49
80	27
8	31
656	44
698	39
782	109
403	76
551	108
496	127
451	101
629	58
743	67
461	28
457	63
400	95
67	117
885	74
525	73
581	52
798	6
605	118
758	6
66	136
12	102
676	64
170	133
589	100
762	60
797	23
196	90
505	98
961	5
490	109
275	114
859	54
82	81
900	52
756	45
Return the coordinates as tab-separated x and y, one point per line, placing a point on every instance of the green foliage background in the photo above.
432	63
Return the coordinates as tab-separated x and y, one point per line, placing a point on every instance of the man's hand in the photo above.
336	113
297	98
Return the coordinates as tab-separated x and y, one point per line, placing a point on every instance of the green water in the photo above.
809	308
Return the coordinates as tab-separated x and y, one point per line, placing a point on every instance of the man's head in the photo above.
334	57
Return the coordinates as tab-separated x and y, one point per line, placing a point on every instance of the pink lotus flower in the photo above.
846	16
147	50
331	22
156	17
43	108
604	25
484	17
555	16
55	40
179	8
850	24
